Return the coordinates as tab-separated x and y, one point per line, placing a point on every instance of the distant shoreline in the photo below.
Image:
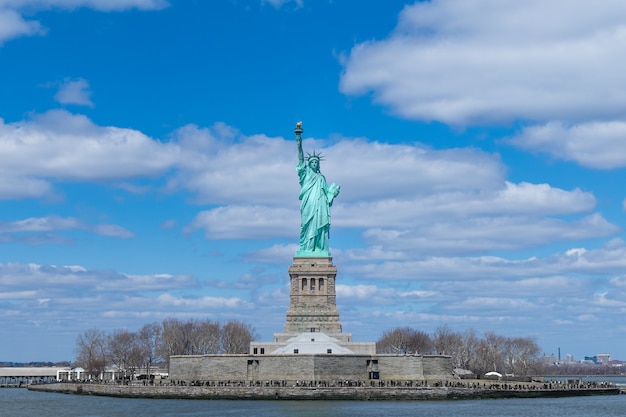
363	393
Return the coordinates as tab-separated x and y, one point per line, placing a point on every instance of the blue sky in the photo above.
147	165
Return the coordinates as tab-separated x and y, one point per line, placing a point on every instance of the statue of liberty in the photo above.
316	199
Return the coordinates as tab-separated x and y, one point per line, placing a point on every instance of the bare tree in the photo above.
235	337
207	340
121	347
91	351
490	353
201	337
130	351
149	342
521	355
137	357
468	353
172	339
447	342
404	340
516	355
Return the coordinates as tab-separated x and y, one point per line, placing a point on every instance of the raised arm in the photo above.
298	131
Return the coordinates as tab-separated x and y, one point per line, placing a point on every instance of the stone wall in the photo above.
437	366
436	390
396	367
340	367
309	367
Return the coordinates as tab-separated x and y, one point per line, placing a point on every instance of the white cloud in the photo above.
74	92
42	225
406	197
600	145
223	166
16	187
478	234
16	295
546	288
496	305
226	167
275	254
619	282
152	282
382	295
168	300
251	222
485	61
74	281
610	259
63	146
279	3
112	230
415	199
512	200
68	299
102	5
603	299
555	64
13	24
373	252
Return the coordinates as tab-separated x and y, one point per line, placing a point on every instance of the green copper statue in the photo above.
316	199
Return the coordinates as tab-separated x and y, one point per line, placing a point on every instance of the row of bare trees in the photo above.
491	352
156	342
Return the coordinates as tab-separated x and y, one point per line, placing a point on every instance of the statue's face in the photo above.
314	163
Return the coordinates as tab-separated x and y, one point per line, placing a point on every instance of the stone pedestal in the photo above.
313	303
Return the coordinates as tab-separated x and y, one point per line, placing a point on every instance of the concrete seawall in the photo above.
316	393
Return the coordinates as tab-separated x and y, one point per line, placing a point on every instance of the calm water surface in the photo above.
19	402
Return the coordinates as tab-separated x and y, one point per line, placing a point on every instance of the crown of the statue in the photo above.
314	155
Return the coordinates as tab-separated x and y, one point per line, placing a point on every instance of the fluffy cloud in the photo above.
74	92
14	187
522	199
102	5
599	145
55	224
382	295
279	3
55	280
249	222
479	62
69	147
223	166
218	158
484	234
416	199
486	61
167	300
13	24
572	289
79	296
610	259
433	201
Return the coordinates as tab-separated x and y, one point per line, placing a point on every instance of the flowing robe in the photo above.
316	198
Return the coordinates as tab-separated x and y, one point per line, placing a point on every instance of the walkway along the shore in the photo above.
337	390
